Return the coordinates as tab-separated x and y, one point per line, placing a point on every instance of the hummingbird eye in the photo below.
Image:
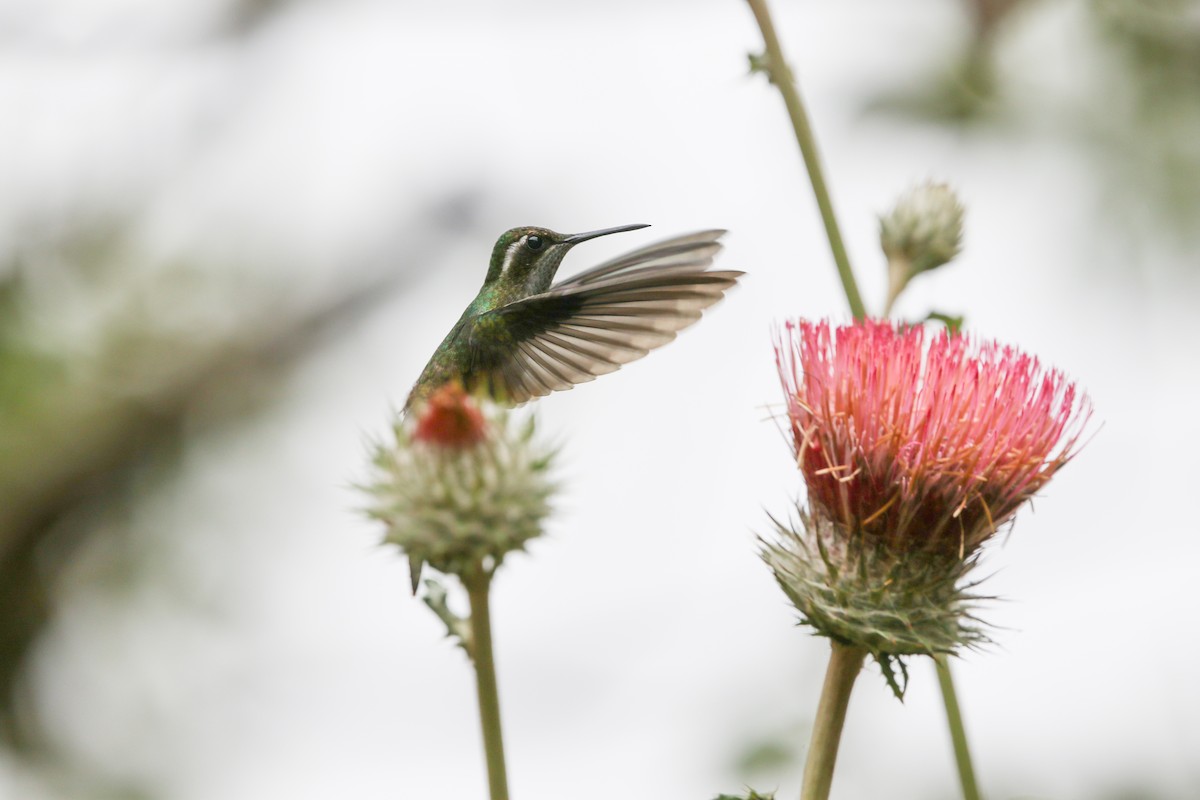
534	242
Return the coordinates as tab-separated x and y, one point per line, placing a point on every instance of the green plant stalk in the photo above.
845	662
478	591
958	734
781	75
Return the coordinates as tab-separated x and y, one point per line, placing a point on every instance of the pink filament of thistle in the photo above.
927	444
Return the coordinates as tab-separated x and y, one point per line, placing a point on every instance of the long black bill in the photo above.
583	237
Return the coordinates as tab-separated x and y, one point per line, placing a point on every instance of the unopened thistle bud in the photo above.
922	232
913	453
461	485
753	795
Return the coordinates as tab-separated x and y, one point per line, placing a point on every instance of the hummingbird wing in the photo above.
692	251
595	322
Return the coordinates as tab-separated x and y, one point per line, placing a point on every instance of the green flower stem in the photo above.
845	662
478	590
958	734
781	75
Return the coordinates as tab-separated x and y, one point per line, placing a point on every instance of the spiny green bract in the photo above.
855	590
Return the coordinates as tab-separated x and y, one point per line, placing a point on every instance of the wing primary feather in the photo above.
656	295
567	356
636	325
562	379
535	357
626	339
578	346
601	338
701	240
643	311
514	383
651	278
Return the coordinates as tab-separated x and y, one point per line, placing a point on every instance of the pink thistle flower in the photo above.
922	447
915	449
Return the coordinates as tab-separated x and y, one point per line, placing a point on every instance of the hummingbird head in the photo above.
529	256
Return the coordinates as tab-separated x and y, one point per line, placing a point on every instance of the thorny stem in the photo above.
958	734
845	662
456	627
478	589
781	75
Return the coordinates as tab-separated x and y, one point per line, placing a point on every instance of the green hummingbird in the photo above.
522	337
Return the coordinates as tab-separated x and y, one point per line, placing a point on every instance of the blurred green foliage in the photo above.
1135	114
109	365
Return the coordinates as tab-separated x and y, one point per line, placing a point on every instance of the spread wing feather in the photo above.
690	250
599	320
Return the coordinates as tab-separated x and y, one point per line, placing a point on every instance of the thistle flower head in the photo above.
927	447
914	452
460	485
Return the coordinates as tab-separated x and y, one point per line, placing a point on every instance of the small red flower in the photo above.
451	419
922	445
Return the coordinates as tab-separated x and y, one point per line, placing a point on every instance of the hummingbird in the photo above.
522	337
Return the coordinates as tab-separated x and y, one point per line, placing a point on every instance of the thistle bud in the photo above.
922	232
461	485
924	228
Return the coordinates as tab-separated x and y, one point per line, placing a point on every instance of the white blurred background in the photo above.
233	231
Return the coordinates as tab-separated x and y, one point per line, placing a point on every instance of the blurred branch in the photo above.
246	16
71	446
1146	127
965	90
1137	114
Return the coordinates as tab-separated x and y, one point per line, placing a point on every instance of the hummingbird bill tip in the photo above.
583	237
